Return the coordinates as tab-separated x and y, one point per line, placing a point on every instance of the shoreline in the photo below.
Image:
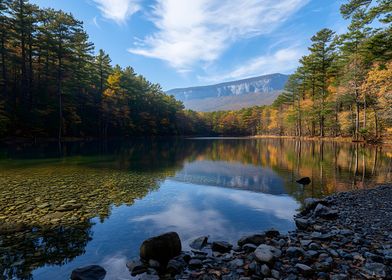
347	235
384	142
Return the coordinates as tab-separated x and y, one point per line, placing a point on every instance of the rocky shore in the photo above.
344	236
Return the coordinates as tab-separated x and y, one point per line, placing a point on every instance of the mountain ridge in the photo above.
232	95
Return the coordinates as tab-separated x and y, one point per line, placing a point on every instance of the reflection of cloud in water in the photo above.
183	217
282	207
199	210
115	266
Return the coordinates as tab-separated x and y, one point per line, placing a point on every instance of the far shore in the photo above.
318	138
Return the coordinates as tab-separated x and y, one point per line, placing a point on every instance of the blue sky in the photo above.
180	43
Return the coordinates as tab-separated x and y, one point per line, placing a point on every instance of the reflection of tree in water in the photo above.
332	166
24	251
47	202
55	198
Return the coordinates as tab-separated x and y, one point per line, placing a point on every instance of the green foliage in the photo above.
52	84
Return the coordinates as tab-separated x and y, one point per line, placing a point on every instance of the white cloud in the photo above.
118	10
282	61
201	30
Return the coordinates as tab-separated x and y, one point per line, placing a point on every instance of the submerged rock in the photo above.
91	272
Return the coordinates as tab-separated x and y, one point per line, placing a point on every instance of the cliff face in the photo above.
232	95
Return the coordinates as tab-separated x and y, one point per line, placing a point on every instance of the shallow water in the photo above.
94	203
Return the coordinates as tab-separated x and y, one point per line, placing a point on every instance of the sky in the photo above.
181	43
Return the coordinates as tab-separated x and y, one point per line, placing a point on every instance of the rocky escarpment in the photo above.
344	236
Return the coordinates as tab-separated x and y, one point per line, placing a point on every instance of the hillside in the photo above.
233	95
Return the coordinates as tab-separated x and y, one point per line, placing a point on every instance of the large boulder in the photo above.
161	248
91	272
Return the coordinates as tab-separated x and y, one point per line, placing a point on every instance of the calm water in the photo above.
85	203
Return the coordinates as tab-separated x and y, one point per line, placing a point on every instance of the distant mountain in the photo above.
233	95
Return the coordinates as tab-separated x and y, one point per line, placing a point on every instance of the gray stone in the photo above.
375	269
266	253
294	252
304	269
195	263
265	270
249	248
199	243
255	239
221	246
302	223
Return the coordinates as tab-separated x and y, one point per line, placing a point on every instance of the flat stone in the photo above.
304	269
221	246
255	239
195	263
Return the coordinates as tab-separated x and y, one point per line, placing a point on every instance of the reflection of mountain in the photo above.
231	175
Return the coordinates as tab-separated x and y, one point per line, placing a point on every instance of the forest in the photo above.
342	88
54	84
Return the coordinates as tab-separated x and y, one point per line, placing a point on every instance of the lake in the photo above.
83	203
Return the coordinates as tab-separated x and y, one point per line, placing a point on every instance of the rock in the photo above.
199	243
304	181
153	263
271	233
221	246
176	266
304	269
249	248
275	274
265	270
325	212
195	263
139	269
305	242
266	253
255	239
133	263
302	223
294	252
91	272
376	270
161	248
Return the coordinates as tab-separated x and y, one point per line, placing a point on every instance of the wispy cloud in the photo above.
195	31
118	10
281	61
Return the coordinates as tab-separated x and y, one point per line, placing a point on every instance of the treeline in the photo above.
53	85
343	87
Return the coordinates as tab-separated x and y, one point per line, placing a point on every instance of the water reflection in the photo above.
224	188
